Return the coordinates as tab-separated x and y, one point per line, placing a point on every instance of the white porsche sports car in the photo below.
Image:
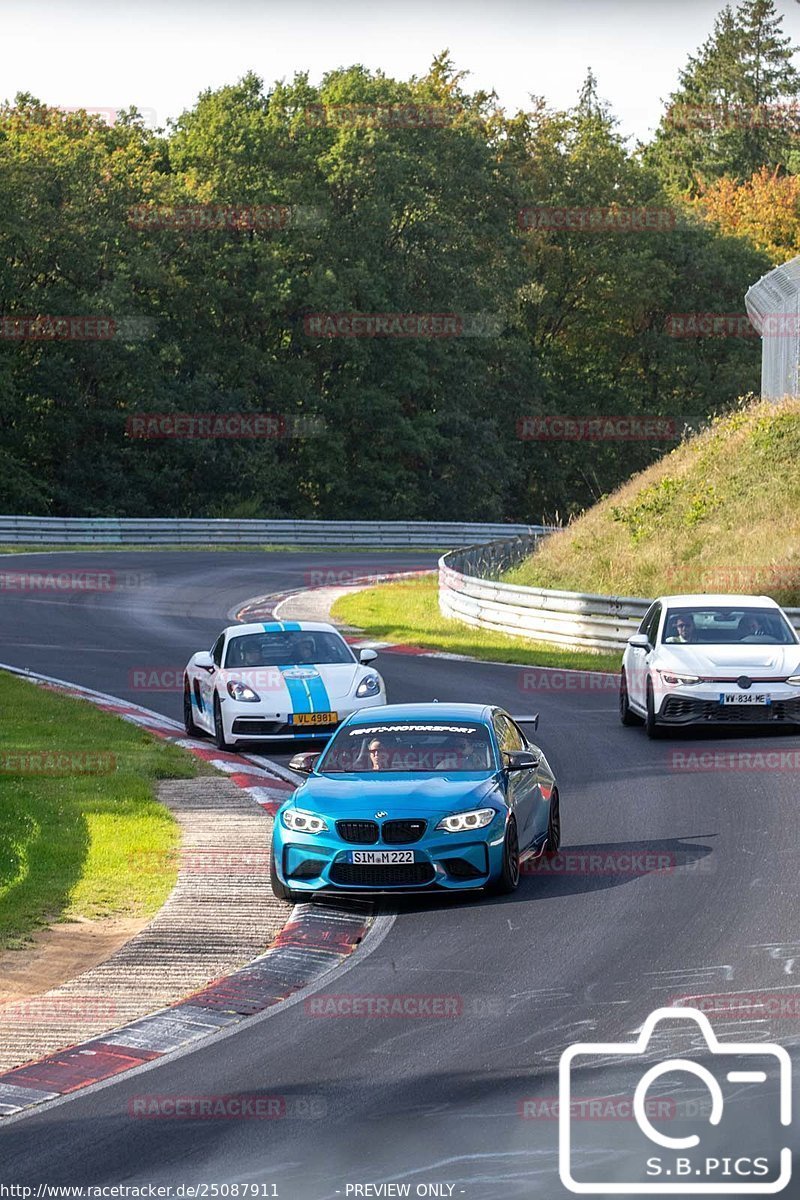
277	681
708	660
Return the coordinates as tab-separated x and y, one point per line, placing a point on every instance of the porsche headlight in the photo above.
300	821
476	818
240	691
370	686
677	680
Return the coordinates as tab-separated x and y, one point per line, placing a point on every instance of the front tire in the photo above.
508	879
553	841
219	728
626	714
188	716
651	725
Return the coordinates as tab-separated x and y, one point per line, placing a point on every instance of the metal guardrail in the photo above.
114	531
577	619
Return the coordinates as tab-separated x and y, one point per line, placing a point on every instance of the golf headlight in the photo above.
676	680
300	821
476	818
370	686
793	679
240	691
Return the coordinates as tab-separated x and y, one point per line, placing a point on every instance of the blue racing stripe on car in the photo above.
280	626
320	701
299	694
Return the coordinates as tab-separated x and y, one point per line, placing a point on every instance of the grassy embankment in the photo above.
719	513
82	835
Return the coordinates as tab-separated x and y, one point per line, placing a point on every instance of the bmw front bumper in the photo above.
442	861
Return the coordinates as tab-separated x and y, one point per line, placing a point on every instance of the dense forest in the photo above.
351	300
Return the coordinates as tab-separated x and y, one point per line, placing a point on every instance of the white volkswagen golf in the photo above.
699	660
277	681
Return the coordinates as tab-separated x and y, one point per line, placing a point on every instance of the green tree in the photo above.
733	110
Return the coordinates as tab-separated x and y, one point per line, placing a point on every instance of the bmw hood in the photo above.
408	795
731	661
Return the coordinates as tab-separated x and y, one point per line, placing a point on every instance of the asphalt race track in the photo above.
579	955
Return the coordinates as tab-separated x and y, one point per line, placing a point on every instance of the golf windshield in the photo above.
717	625
405	746
291	648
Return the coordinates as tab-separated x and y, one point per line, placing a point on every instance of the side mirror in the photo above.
203	659
521	760
367	656
640	641
304	762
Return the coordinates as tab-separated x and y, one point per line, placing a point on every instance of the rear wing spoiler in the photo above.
534	720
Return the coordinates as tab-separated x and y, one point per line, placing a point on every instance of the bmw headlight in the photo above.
370	686
240	691
476	818
300	821
678	680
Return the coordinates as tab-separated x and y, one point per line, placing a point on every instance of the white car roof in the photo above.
723	599
275	626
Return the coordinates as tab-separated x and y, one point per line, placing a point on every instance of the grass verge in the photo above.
78	816
408	611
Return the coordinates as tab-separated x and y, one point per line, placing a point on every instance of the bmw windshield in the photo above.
397	747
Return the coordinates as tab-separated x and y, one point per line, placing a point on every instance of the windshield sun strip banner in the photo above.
407	727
